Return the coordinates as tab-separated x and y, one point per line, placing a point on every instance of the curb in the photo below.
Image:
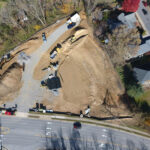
84	120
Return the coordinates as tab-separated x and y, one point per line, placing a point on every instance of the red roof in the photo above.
130	5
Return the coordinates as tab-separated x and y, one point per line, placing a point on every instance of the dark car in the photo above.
77	125
44	37
71	25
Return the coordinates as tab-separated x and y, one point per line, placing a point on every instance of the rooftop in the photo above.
144	48
128	20
142	75
143	15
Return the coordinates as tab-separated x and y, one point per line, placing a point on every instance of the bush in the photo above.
133	88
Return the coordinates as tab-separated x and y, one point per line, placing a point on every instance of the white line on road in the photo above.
102	145
104	135
104	130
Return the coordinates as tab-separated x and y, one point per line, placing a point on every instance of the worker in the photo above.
73	38
58	50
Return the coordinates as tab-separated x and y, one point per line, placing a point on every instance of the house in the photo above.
143	76
144	48
143	16
142	70
130	5
129	20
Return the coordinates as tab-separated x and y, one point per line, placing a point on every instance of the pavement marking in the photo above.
49	123
104	130
48	128
104	135
102	145
5	130
47	133
89	140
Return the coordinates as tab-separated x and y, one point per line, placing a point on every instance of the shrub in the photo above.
133	88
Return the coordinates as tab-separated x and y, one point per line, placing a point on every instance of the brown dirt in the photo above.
45	60
10	84
87	78
86	75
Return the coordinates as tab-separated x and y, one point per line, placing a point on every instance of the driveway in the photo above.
31	92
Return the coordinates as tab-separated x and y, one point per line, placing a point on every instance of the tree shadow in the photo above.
130	145
57	141
74	140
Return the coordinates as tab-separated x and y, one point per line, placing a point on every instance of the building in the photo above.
129	20
143	16
130	5
143	76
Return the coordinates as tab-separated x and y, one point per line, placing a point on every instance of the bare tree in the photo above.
123	43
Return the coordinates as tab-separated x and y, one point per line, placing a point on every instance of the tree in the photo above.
123	43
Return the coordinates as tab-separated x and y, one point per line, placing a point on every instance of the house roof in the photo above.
144	48
142	75
128	20
130	5
143	16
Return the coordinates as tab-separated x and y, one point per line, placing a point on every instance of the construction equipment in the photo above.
74	18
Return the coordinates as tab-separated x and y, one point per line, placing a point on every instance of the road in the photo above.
31	92
34	134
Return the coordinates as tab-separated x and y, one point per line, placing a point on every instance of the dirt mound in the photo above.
10	83
87	78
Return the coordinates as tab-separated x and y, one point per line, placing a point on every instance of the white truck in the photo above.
73	20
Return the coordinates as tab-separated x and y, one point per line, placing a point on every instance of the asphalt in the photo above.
34	134
31	92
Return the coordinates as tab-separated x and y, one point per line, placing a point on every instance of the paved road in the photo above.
31	92
34	134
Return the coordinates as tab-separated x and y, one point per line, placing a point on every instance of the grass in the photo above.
145	97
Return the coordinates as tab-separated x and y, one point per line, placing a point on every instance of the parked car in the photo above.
44	37
77	125
10	111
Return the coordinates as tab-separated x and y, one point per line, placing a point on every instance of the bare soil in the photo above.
10	83
87	76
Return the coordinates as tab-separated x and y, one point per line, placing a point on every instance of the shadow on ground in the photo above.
74	141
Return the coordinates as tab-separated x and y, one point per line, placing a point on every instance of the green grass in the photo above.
145	97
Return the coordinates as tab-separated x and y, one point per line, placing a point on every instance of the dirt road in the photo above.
31	91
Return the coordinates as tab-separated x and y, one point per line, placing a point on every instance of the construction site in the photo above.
71	76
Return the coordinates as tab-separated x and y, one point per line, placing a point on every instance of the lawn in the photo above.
145	97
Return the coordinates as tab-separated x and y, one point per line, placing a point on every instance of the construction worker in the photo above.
58	50
73	38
